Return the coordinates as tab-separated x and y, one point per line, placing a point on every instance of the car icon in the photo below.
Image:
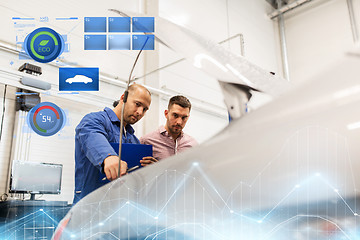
79	79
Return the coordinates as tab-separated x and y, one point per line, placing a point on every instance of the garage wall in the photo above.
216	20
317	34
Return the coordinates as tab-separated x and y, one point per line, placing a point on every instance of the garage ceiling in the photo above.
274	2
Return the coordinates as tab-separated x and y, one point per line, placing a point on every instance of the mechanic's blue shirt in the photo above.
92	145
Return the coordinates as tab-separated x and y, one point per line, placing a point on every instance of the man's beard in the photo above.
131	119
175	130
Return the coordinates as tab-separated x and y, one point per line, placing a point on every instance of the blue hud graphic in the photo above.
95	24
44	45
119	42
143	24
79	79
26	221
46	119
145	42
119	24
95	42
116	40
24	26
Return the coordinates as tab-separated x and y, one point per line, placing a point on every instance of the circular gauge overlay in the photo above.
46	119
44	45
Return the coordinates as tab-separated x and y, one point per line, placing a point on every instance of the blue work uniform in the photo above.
92	145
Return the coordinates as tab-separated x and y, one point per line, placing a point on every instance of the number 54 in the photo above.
44	118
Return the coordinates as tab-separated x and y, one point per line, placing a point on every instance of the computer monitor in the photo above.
35	178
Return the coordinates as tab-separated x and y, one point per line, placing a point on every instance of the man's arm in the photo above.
92	136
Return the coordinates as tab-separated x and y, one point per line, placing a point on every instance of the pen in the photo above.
133	168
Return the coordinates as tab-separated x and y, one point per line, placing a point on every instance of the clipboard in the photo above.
133	153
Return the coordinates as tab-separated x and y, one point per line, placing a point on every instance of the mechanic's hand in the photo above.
147	161
111	167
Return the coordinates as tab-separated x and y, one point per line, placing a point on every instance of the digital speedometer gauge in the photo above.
46	119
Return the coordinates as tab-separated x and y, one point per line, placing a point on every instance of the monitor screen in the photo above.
32	177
